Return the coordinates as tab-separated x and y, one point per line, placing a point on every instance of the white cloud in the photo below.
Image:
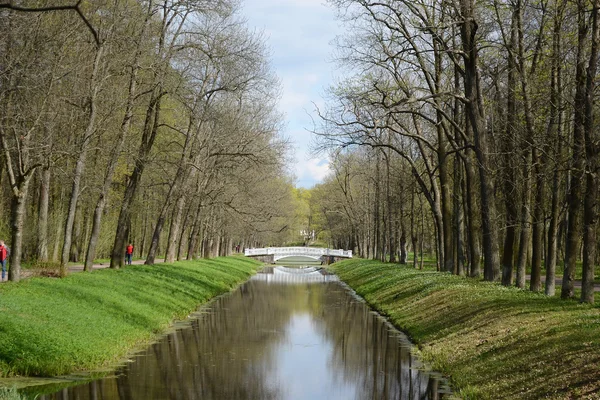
293	100
310	171
318	169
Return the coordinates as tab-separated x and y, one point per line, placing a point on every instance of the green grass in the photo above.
90	320
494	342
10	394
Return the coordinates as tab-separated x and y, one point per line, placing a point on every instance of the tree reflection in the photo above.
233	350
369	352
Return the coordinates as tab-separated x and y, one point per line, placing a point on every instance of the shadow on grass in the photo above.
495	342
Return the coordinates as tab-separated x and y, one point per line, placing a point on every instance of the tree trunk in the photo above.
75	243
390	220
403	250
192	252
576	182
447	257
56	249
42	229
160	223
93	242
458	225
509	246
509	178
376	218
476	114
592	152
413	229
472	219
555	129
174	231
535	285
553	237
446	208
17	215
422	244
525	224
181	240
590	219
185	232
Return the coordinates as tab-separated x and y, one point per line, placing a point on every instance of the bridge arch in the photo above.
314	253
310	257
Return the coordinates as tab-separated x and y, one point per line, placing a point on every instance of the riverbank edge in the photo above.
94	321
492	342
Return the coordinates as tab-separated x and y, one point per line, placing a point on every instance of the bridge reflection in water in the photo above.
273	339
294	275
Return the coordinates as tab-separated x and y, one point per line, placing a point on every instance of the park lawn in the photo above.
86	321
493	342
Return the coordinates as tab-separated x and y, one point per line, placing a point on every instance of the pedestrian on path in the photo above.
129	254
3	257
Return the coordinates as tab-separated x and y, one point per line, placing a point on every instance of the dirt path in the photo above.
558	283
27	273
79	267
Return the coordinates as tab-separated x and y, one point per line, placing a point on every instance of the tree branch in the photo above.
10	6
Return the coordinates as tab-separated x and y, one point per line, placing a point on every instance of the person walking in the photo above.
3	257
129	254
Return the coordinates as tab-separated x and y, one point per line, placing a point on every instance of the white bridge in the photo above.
316	253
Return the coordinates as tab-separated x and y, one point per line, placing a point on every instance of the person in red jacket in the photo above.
128	253
3	257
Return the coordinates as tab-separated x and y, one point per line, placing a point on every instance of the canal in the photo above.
288	333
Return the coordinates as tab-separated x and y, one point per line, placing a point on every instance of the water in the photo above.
286	334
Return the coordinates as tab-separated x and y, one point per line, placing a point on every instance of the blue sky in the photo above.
299	33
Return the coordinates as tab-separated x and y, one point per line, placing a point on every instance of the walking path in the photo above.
558	283
79	267
27	273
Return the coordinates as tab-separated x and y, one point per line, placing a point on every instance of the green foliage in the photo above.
9	394
294	244
316	243
319	243
88	320
494	342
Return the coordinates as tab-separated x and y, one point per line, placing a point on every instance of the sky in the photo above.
299	34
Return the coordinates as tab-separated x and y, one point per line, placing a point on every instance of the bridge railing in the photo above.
297	251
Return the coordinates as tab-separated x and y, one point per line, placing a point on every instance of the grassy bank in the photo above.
494	342
89	320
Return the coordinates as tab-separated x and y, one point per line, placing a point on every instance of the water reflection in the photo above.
277	337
